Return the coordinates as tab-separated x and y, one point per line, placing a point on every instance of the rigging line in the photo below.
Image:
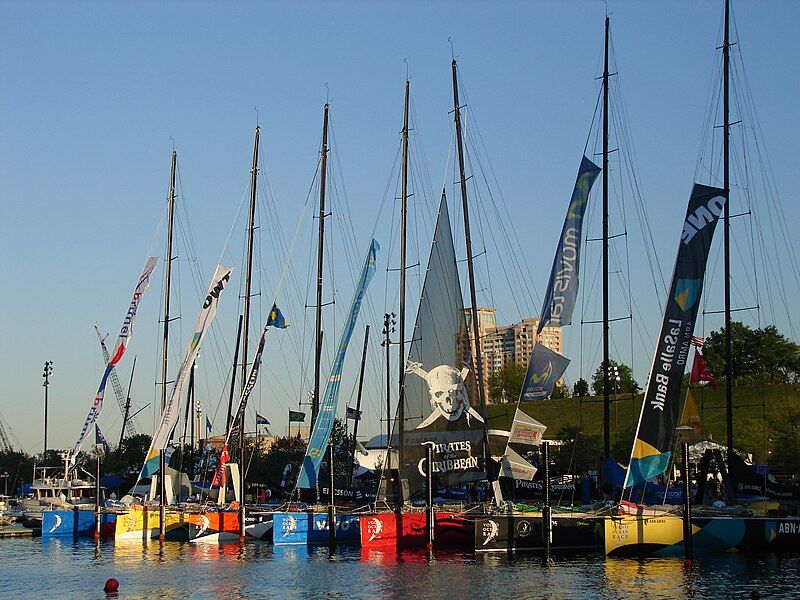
480	150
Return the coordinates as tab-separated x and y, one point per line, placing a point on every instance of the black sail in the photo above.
438	406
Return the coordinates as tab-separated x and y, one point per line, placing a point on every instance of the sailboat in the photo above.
315	526
148	521
234	523
513	531
440	429
654	531
67	494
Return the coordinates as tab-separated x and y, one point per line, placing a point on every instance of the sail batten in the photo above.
655	433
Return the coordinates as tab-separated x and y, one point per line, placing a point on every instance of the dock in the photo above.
17	533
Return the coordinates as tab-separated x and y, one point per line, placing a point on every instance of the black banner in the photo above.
654	437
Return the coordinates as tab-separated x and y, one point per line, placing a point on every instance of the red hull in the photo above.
407	530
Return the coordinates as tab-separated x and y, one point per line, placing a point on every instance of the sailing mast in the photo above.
401	413
246	323
606	363
726	127
320	248
162	463
468	237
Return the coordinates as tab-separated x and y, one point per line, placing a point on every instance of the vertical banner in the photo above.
171	413
327	411
652	446
562	287
123	339
545	368
275	319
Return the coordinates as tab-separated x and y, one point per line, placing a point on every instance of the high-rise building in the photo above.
502	345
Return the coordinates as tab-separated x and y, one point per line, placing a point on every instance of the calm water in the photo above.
66	569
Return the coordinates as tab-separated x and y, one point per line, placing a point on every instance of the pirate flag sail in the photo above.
438	407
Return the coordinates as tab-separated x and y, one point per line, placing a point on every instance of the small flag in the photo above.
297	416
276	319
219	474
260	420
698	341
352	413
99	440
208	425
701	372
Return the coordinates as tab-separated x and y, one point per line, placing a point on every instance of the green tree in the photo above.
757	355
626	384
560	390
578	452
783	429
581	388
506	384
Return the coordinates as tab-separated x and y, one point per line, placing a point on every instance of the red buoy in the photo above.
111	586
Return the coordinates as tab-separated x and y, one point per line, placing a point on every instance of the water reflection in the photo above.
180	569
661	577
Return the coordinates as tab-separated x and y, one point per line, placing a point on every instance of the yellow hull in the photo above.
144	524
638	534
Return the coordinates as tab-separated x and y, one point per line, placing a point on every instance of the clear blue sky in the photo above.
91	94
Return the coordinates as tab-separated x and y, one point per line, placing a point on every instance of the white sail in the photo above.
171	413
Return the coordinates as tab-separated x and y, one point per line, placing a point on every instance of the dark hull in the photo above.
512	533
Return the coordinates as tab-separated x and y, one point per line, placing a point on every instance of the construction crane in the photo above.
5	443
130	427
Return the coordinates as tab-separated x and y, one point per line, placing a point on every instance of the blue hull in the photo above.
312	528
74	523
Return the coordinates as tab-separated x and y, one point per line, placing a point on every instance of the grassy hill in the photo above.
751	406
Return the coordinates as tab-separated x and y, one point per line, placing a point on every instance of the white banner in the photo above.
171	414
516	467
526	430
123	339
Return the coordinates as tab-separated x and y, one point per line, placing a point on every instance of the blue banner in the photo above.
545	368
562	287
327	412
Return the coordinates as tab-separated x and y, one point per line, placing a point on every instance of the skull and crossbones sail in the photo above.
449	398
436	388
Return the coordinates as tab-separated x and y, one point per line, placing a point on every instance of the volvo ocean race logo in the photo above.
490	530
374	528
288	525
57	524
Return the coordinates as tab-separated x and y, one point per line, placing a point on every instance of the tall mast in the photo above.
606	363
401	412
249	272
321	238
167	280
726	184
468	237
246	324
162	462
